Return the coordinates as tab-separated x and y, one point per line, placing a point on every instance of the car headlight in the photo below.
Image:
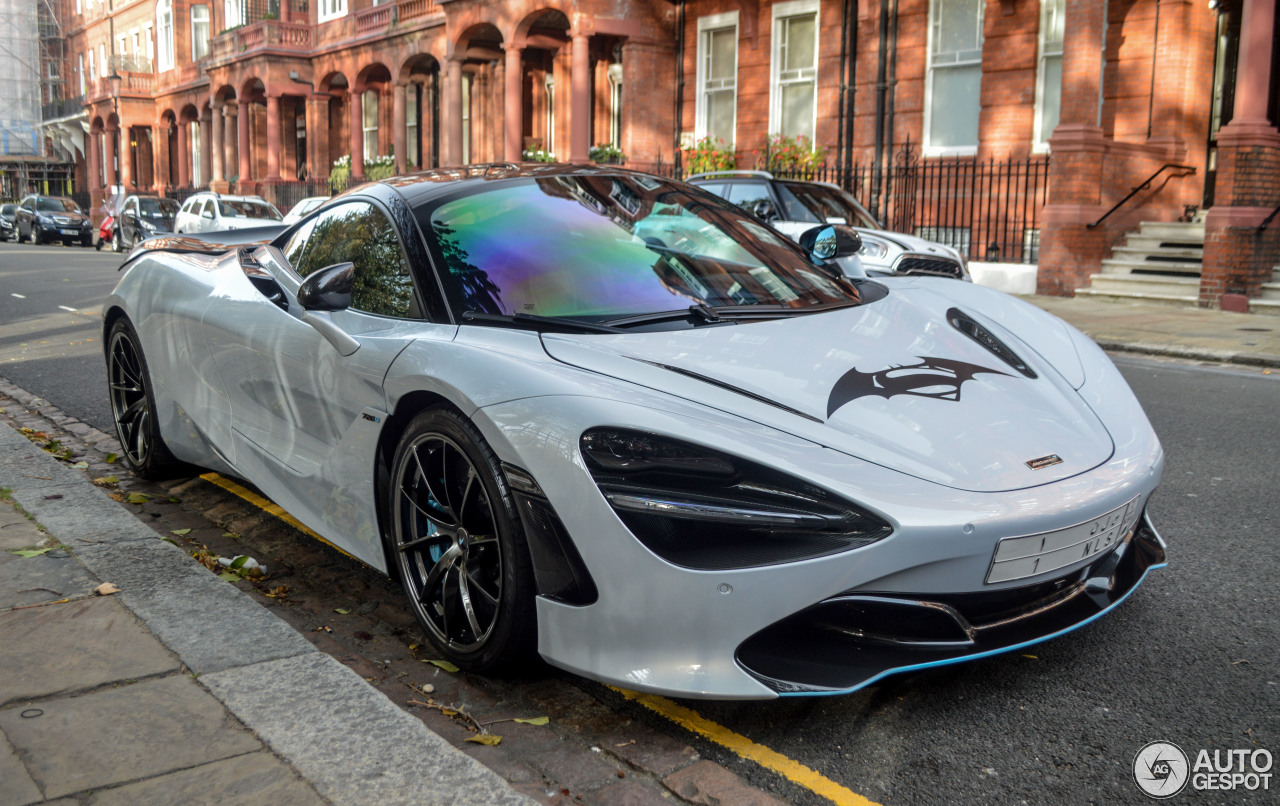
873	248
699	508
147	225
46	220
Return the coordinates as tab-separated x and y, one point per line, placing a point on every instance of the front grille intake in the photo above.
928	265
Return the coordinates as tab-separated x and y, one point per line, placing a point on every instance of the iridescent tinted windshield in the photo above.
601	247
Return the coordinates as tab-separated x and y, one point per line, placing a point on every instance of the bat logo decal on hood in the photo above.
939	378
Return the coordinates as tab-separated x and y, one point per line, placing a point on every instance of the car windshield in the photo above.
158	208
247	209
827	203
602	247
47	204
8	209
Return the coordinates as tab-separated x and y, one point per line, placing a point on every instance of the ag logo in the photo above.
938	378
1161	769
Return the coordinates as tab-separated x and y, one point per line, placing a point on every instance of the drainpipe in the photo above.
844	57
679	87
892	84
881	87
851	83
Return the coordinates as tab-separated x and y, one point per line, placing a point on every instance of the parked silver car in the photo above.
215	212
792	206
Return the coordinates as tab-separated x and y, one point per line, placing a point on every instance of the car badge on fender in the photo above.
1044	461
939	378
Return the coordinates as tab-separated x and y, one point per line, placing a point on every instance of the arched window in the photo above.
164	35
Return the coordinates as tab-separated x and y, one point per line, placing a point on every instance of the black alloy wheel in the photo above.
133	406
457	543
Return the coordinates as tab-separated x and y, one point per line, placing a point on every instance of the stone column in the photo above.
160	154
580	98
318	163
113	156
513	110
217	147
1238	258
451	128
1172	65
206	148
273	137
242	138
356	126
184	154
126	169
398	134
1069	250
92	176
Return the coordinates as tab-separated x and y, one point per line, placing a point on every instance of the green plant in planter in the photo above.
607	154
782	154
709	154
377	168
537	155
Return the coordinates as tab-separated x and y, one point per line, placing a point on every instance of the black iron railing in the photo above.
65	108
1187	170
1266	222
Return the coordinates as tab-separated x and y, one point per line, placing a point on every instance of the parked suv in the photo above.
52	218
142	217
7	212
212	212
793	206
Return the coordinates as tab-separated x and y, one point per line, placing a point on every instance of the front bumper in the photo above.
65	231
850	641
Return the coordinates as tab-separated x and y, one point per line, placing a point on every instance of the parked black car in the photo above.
7	212
141	218
52	218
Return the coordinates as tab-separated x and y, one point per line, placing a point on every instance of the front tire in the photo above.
457	543
133	406
116	244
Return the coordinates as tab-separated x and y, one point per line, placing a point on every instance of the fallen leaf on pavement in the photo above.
81	465
1032	657
490	739
106	480
106	589
444	664
29	553
534	720
109	458
138	498
228	576
278	592
181	532
342	610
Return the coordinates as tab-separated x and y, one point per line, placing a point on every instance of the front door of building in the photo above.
1222	100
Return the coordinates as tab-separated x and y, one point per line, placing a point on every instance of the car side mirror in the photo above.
830	241
329	289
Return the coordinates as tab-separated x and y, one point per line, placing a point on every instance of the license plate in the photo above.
70	232
1018	557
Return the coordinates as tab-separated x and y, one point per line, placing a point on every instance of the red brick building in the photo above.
1056	109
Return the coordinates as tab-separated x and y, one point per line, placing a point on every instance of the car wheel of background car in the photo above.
116	244
458	546
133	406
86	240
35	236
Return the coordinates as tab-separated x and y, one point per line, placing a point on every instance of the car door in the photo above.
129	221
25	218
306	417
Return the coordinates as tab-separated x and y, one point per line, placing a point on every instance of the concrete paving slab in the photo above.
123	734
9	436
16	786
75	646
23	466
250	780
177	598
16	531
79	513
46	578
309	708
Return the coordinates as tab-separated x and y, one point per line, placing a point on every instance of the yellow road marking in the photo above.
267	506
788	768
686	718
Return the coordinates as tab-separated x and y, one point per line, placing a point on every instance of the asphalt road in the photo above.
50	324
1193	657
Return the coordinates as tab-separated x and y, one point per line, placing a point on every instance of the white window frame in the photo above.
103	66
549	98
91	75
370	98
232	14
707	24
84	86
929	149
78	7
781	13
151	43
615	105
164	35
208	29
330	10
1048	50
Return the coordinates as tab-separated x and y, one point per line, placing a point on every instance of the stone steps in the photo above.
1148	288
1160	263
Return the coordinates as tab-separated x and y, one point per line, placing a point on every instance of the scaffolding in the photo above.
20	89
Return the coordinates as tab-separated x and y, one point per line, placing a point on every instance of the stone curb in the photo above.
1216	356
342	735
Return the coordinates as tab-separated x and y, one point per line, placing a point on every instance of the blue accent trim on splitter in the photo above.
915	667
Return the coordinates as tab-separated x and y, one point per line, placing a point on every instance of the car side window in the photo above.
752	197
297	242
207	212
361	234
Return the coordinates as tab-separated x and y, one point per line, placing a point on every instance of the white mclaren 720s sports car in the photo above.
614	421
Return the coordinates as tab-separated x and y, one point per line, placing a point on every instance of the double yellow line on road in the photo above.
685	717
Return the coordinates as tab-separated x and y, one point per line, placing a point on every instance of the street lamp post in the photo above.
114	79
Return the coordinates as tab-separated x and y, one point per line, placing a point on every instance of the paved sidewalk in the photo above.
178	688
1206	335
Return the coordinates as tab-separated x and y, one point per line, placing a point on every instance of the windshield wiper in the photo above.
777	311
709	316
535	322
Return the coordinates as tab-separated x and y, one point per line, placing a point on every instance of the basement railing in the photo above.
1187	170
1267	221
